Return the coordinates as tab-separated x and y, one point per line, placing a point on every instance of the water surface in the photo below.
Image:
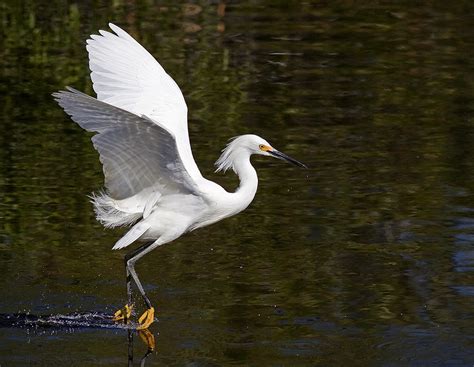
367	258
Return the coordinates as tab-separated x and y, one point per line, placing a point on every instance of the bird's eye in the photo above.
261	146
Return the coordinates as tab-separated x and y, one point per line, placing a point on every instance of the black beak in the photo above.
284	157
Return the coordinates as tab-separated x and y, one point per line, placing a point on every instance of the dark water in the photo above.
366	259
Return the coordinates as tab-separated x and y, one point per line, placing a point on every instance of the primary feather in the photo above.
127	76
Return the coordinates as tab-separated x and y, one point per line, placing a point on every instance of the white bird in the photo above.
152	181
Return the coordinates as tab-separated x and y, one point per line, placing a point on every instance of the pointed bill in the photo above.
283	156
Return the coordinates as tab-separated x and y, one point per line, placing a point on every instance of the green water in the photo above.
365	259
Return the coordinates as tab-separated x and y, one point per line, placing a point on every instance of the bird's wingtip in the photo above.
119	32
59	94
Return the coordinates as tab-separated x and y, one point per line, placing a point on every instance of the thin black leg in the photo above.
127	257
136	251
130	260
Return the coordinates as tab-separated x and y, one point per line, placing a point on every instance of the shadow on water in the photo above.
77	321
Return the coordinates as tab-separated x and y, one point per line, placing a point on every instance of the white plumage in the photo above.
140	123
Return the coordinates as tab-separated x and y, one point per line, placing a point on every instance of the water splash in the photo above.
75	320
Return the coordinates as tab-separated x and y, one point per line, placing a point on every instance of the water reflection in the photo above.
148	338
368	259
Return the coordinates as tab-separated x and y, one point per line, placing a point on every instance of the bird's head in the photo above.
247	145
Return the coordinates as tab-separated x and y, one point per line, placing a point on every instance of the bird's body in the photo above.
152	181
161	217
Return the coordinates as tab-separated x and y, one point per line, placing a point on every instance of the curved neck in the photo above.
248	179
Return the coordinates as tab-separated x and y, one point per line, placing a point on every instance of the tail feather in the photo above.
132	235
109	215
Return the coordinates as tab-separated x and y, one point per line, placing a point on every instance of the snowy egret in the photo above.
152	181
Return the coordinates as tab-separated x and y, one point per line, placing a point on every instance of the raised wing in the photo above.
136	152
127	76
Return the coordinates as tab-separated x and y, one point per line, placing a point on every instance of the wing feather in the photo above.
136	152
126	75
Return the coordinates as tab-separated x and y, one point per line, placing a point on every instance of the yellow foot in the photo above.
123	314
146	319
148	338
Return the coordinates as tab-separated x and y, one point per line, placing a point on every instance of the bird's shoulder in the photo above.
210	191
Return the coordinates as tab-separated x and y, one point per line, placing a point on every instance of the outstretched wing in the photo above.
136	152
127	76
